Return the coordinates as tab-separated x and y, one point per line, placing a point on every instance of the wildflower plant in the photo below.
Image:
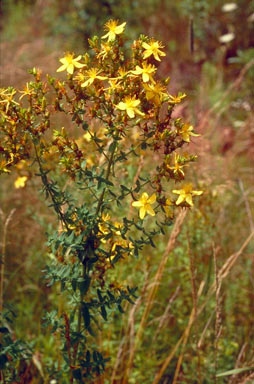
120	112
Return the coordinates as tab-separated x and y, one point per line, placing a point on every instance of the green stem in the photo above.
2	258
45	182
106	177
79	318
84	267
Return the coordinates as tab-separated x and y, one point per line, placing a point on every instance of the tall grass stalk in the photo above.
153	290
6	223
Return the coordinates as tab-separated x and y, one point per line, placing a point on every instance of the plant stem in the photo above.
45	182
2	259
106	177
110	162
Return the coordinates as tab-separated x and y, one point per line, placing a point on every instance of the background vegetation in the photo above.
194	314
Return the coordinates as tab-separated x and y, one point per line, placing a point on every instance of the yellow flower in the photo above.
130	106
168	208
113	29
118	226
20	182
115	82
105	49
118	243
153	48
146	72
87	136
113	86
92	74
144	203
103	226
186	194
69	63
177	168
186	131
80	77
7	95
105	217
3	164
176	99
27	91
122	73
155	92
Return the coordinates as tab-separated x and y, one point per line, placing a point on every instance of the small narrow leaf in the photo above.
104	312
234	371
86	315
77	374
120	309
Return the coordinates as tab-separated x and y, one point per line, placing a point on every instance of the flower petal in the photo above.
130	113
197	193
180	200
70	68
137	204
150	210
144	197
121	106
189	199
62	68
152	199
79	65
142	213
146	46
178	192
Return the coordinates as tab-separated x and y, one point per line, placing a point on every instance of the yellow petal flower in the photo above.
69	63
146	71
142	212
155	92
144	203
130	106
186	194
152	199
177	99
20	182
92	74
113	29
186	132
153	48
168	208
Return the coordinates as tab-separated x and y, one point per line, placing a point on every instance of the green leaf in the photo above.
4	330
90	330
83	164
83	285
84	126
77	374
124	188
120	308
70	238
234	371
3	361
74	285
100	296
112	146
112	297
95	356
86	315
101	180
104	312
